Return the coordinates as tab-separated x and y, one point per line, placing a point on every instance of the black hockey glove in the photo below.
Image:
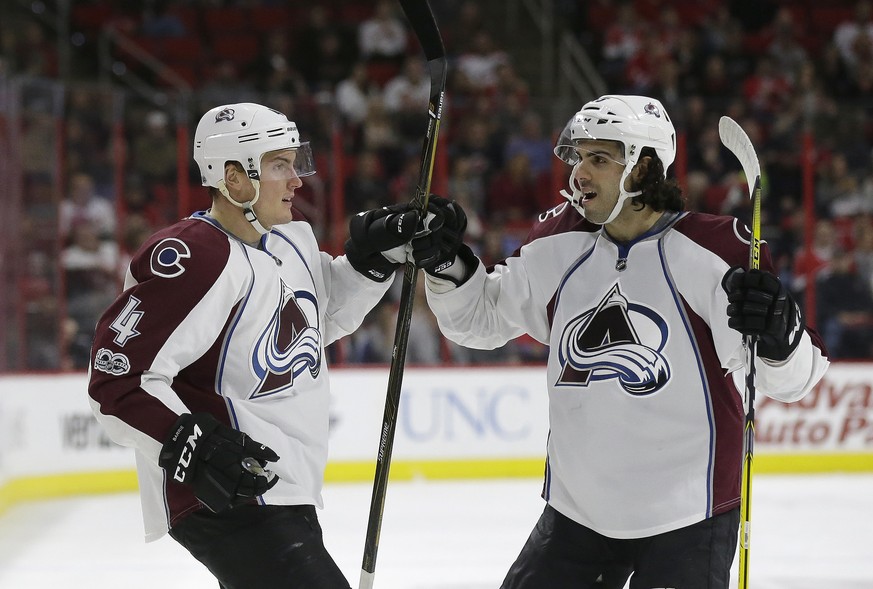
376	240
436	250
761	306
212	458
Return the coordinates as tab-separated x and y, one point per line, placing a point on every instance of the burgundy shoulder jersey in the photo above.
208	323
646	417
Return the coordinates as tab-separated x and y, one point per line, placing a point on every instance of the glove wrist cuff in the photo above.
463	267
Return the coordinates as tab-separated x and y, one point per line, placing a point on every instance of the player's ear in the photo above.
642	167
639	172
233	174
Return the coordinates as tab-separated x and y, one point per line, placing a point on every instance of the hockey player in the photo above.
644	308
211	362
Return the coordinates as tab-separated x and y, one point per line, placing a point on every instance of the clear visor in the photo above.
304	163
564	148
286	164
574	151
568	149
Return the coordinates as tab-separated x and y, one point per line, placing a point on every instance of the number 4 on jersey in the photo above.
124	325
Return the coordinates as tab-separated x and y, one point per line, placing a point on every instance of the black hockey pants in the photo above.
261	547
562	554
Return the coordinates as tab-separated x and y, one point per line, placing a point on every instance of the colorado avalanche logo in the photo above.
225	114
166	258
617	340
651	109
288	346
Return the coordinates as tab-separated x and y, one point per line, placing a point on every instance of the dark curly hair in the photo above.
659	193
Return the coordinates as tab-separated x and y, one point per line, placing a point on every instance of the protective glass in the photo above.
304	165
564	148
275	166
567	149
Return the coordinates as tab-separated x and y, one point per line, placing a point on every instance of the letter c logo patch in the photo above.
166	260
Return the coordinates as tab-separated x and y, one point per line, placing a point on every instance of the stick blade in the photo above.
734	138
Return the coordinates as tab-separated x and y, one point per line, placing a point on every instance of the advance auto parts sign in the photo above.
836	416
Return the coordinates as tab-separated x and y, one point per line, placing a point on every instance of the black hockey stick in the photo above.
735	139
420	17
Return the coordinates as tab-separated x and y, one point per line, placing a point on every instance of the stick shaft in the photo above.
749	424
420	17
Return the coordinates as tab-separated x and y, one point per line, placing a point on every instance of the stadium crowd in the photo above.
785	70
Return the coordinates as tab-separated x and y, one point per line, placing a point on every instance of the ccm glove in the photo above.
215	460
436	249
375	247
760	306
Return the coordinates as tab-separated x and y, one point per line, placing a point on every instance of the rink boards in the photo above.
452	423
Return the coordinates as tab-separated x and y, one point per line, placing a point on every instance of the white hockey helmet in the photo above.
243	133
634	121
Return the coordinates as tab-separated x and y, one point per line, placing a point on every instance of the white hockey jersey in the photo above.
208	323
646	418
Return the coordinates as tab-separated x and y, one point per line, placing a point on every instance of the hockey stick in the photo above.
735	139
421	19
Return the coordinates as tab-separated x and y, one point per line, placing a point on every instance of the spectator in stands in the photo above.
154	154
529	138
509	89
406	98
852	38
785	50
374	341
272	69
159	20
863	251
767	89
512	193
641	70
379	134
226	83
38	139
89	135
403	183
135	229
83	205
714	84
325	50
366	187
824	247
621	41
475	143
91	276
837	188
480	63
33	54
383	37
844	309
469	21
353	95
331	62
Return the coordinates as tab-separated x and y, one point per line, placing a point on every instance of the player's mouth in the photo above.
587	196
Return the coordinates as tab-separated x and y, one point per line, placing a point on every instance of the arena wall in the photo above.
453	423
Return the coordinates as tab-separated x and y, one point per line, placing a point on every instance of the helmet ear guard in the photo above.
634	121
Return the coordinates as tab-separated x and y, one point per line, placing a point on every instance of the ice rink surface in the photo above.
809	532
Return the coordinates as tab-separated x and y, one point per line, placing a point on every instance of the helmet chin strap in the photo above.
247	207
577	196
